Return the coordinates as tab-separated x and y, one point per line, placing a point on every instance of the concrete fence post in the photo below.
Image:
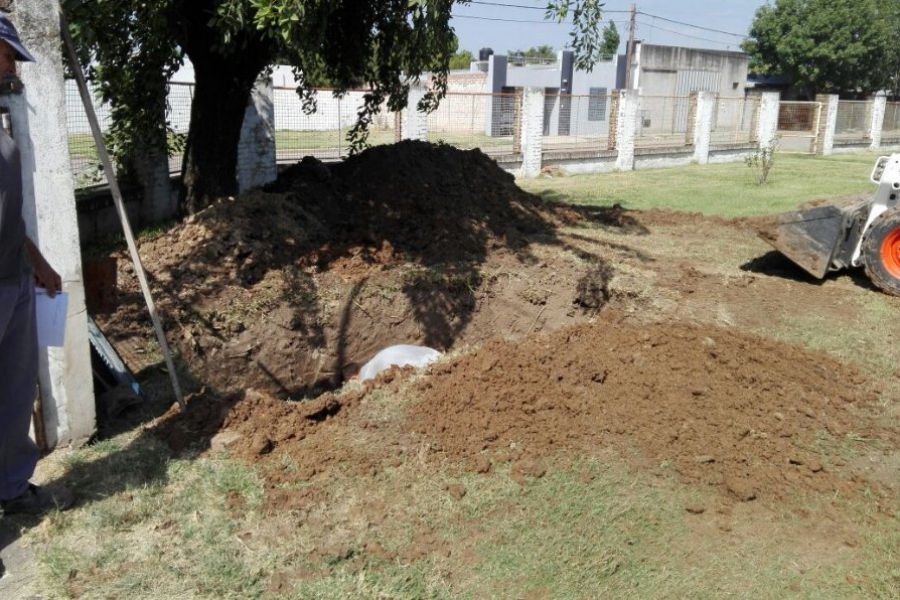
824	144
626	128
532	127
703	124
767	120
876	125
414	124
613	120
39	126
257	163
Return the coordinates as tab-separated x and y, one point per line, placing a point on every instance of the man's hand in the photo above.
44	275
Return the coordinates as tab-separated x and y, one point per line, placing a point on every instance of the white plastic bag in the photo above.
403	355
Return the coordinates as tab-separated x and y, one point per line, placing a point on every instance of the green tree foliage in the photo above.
461	60
611	41
826	46
131	46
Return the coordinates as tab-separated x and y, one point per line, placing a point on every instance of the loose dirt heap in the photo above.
721	408
289	290
753	418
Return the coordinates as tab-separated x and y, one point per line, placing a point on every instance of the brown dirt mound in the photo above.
723	409
290	290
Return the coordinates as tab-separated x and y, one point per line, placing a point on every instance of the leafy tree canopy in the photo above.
611	39
826	46
461	60
131	46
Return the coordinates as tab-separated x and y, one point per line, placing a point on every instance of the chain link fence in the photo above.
798	126
853	118
323	133
890	130
577	122
735	122
85	162
664	122
487	121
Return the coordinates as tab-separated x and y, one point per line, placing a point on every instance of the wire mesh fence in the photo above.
798	126
577	122
735	122
85	163
323	133
663	121
890	130
487	121
178	116
852	121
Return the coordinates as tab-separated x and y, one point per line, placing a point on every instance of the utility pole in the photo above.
629	61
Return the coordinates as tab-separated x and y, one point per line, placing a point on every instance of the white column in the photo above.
39	123
256	149
827	123
532	127
703	123
767	122
626	128
414	124
879	105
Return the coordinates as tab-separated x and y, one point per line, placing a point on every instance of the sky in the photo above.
732	16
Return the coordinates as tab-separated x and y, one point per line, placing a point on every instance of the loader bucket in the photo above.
808	237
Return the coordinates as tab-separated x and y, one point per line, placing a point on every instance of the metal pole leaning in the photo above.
103	154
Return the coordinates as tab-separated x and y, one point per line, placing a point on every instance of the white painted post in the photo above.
626	128
703	124
414	124
879	106
532	127
39	124
256	150
767	121
827	123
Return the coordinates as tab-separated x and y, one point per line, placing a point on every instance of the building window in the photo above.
597	104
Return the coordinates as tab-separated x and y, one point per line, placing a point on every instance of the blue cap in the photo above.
9	35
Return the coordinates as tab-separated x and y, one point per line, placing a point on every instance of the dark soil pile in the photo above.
289	290
722	409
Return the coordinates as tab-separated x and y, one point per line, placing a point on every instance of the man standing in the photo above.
22	266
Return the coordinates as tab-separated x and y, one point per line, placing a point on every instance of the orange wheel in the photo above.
881	252
890	253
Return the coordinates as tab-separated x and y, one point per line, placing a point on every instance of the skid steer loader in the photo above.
865	234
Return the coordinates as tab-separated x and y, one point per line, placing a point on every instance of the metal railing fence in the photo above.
323	133
735	122
490	122
664	121
798	126
890	130
578	122
853	118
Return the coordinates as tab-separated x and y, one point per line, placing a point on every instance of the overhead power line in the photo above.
692	25
646	14
542	8
687	35
503	20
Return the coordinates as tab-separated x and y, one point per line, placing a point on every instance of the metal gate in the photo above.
798	126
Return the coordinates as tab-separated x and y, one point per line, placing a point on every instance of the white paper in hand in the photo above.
50	314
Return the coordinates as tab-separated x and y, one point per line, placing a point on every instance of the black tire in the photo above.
881	252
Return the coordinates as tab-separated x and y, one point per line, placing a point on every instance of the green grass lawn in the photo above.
727	190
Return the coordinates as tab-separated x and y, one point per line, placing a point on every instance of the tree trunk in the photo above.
217	114
224	75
